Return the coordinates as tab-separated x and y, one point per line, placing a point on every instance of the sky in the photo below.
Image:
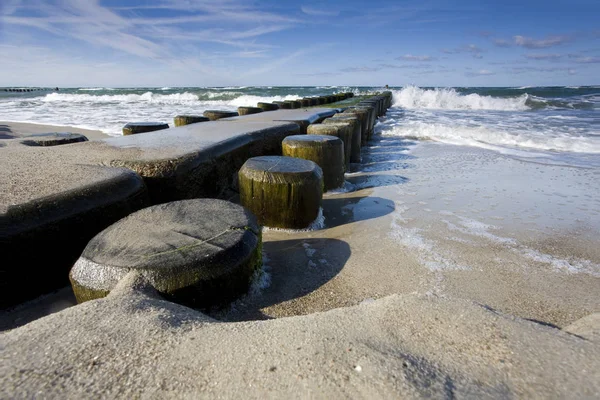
128	43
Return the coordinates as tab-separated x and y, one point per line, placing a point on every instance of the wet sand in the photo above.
10	130
456	222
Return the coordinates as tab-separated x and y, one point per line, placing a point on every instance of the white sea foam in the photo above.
147	97
412	97
317	224
511	136
109	112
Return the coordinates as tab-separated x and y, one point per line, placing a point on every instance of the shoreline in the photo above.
12	130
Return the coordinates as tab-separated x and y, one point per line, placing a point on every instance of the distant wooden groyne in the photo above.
26	90
54	200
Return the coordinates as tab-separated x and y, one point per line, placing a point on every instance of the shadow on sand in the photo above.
296	268
5	132
344	210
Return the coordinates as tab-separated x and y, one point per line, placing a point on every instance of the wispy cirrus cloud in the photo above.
472	49
550	41
319	12
189	35
581	59
547	57
522	70
411	57
531	43
481	72
502	42
93	23
361	69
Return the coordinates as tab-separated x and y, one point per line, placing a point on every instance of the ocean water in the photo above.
108	109
548	124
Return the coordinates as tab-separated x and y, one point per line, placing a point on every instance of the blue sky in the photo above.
239	42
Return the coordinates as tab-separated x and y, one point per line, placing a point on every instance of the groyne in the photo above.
55	199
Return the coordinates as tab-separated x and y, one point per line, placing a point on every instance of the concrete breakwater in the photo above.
55	199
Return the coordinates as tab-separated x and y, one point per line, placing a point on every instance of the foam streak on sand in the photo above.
317	224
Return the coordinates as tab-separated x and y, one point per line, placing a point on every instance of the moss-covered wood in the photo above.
199	252
249	110
363	117
340	130
356	132
181	120
326	151
294	104
268	106
283	192
214	115
133	128
372	117
305	102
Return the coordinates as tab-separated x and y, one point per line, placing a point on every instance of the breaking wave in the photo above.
412	97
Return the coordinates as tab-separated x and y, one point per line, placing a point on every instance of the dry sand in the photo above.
133	344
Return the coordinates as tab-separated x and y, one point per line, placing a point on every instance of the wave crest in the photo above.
148	97
413	97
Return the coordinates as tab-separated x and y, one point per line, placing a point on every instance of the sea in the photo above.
557	124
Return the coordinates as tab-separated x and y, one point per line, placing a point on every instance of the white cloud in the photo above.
319	12
410	57
530	43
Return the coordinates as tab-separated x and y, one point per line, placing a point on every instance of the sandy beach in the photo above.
438	269
408	224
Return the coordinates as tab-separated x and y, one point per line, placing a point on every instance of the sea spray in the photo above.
412	97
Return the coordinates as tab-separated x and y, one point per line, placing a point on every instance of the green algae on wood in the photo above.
356	132
268	106
326	151
133	128
341	130
372	117
214	115
182	120
249	110
294	104
363	117
283	192
200	252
